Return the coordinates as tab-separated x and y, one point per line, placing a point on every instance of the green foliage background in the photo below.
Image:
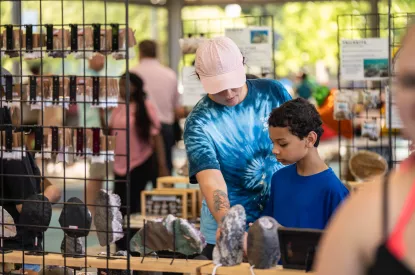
307	31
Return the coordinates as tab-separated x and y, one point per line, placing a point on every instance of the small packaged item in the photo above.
35	93
46	149
61	43
44	88
13	146
88	147
15	100
85	43
66	149
60	92
373	99
12	41
120	53
107	153
83	89
33	50
105	41
370	130
342	105
108	92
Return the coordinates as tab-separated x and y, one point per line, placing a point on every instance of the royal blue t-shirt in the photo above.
235	141
304	201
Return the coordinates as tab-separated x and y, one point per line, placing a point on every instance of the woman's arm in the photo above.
50	191
161	155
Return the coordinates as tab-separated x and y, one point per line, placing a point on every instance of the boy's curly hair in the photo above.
300	116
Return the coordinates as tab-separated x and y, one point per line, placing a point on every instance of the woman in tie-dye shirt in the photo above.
226	136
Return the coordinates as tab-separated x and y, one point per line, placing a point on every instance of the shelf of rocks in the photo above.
244	268
120	263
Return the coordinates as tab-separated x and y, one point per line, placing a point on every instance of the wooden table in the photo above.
245	269
149	264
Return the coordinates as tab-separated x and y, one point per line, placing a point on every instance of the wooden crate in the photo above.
171	182
165	198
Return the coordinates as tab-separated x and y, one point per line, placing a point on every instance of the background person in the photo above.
145	140
372	233
160	83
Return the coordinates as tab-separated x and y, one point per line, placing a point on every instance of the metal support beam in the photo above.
175	32
16	19
374	19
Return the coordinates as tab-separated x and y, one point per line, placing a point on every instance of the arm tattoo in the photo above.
220	200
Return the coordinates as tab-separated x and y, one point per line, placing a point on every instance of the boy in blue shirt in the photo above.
305	193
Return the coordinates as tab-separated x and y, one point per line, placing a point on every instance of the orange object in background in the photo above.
326	113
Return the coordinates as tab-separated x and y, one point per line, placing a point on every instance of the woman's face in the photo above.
229	97
404	84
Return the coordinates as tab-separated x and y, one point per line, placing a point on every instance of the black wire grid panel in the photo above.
390	143
210	28
65	90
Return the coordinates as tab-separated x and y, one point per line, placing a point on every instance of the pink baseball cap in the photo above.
219	64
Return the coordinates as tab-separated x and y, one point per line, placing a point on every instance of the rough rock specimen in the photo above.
72	244
7	227
229	248
263	243
159	235
36	214
108	218
75	218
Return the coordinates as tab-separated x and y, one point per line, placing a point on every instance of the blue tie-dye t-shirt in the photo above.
235	140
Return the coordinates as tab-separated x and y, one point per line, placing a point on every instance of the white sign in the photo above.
192	87
396	122
364	59
255	44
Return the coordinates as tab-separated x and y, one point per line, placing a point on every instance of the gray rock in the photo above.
7	226
159	235
263	243
108	218
229	248
36	213
70	246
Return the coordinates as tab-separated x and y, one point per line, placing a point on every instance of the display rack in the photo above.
60	38
389	142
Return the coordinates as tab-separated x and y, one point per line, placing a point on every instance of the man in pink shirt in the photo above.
160	83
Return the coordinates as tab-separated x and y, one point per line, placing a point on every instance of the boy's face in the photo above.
288	148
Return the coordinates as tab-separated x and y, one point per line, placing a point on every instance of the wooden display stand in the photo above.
171	182
244	268
166	192
149	264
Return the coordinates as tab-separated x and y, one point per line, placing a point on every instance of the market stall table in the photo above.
244	268
149	264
